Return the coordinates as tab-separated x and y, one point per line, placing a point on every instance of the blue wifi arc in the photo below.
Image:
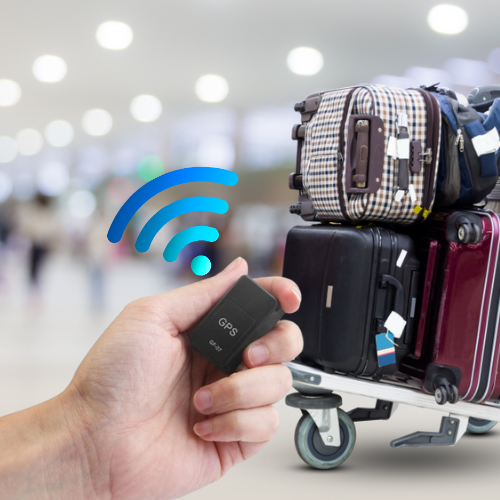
200	265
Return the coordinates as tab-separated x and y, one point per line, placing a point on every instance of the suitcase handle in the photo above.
364	162
399	299
429	278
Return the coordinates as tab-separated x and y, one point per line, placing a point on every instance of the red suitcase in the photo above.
457	349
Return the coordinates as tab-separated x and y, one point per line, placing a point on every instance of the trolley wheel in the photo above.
478	426
314	452
441	395
464	233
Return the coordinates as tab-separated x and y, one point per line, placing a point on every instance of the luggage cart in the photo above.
325	435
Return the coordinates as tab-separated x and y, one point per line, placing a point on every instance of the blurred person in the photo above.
39	225
145	416
98	250
5	230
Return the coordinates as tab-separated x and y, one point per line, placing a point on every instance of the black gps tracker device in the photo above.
244	314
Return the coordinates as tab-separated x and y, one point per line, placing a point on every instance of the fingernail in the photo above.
236	263
203	428
297	293
203	400
258	354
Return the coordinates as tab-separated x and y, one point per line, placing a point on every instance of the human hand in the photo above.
157	419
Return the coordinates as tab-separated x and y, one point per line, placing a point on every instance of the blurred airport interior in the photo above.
97	98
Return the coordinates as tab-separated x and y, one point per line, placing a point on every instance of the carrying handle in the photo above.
361	145
429	279
364	163
399	299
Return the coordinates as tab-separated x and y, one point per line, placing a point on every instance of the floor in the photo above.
42	343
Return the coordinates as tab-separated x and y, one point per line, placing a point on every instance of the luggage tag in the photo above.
399	195
395	324
386	350
413	194
392	147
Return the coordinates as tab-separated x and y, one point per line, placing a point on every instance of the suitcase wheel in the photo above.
314	452
441	395
478	426
469	233
447	393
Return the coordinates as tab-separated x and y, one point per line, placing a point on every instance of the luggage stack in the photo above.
398	271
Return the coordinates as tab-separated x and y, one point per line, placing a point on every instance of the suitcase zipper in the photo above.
460	140
461	143
340	156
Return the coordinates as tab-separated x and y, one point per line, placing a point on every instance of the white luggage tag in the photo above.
392	147
487	143
399	195
413	194
403	149
395	324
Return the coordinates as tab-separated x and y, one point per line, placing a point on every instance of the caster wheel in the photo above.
314	452
441	395
476	238
478	426
454	394
464	233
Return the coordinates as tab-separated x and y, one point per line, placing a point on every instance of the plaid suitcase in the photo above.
457	348
344	171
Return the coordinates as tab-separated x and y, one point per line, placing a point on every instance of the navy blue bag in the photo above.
464	177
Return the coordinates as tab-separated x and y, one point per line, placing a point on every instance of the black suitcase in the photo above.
351	279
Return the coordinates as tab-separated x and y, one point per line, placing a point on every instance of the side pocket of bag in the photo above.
484	167
449	176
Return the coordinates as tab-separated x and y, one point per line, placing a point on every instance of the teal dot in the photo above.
201	265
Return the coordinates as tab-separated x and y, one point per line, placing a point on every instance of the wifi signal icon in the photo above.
201	264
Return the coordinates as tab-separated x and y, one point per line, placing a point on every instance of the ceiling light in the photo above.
82	204
448	19
29	142
97	122
211	88
49	69
114	35
59	133
52	178
146	108
8	149
5	186
305	61
469	72
10	92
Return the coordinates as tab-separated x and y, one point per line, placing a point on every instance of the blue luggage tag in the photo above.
386	350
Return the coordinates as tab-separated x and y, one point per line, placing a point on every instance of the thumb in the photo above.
186	306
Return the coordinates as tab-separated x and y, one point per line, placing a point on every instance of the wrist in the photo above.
47	452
